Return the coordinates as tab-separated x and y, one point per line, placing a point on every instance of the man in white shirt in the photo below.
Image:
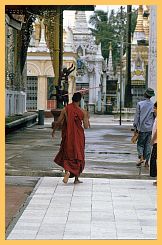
143	123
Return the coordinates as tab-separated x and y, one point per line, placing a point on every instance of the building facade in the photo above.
152	64
139	57
41	91
90	63
79	50
19	23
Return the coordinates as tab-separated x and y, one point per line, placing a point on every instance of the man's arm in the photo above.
59	121
86	122
136	117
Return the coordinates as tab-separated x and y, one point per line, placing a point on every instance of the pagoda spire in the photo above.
110	63
68	47
80	23
42	46
139	33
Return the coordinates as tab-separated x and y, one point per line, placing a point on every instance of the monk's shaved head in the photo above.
76	97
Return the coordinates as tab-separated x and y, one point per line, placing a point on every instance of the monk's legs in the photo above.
66	176
77	181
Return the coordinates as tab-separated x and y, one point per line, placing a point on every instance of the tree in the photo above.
108	29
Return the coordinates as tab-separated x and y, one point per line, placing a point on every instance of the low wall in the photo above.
127	114
23	122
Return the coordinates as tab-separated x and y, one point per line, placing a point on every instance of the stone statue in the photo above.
62	89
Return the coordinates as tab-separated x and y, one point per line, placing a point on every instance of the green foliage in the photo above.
109	29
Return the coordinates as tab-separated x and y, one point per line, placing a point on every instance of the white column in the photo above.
104	91
82	103
104	83
152	61
71	88
91	89
99	101
24	101
7	103
97	81
41	93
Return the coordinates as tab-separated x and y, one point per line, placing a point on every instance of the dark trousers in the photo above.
153	160
143	145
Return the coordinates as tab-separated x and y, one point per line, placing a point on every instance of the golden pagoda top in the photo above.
139	25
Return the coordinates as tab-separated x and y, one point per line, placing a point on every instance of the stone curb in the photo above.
59	173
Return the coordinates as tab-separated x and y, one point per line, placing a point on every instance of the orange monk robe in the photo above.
71	153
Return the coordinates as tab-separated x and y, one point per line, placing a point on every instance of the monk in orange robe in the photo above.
71	154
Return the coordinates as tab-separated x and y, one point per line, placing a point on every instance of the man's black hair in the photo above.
155	105
76	97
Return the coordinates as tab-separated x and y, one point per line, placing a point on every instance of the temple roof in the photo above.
139	25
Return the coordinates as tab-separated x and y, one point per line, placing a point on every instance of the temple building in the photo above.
33	86
39	70
40	74
38	49
139	57
139	65
90	62
79	50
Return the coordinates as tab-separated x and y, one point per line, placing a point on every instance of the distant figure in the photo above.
71	154
153	160
143	123
80	64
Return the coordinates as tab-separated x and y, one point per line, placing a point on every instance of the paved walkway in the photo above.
100	120
95	209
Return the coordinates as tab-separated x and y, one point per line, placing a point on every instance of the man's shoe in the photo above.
146	165
139	164
155	183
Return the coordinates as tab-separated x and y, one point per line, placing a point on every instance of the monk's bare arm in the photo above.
59	121
86	122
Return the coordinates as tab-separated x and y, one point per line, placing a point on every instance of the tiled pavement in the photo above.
96	209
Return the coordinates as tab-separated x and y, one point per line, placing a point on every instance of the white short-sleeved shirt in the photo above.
154	129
